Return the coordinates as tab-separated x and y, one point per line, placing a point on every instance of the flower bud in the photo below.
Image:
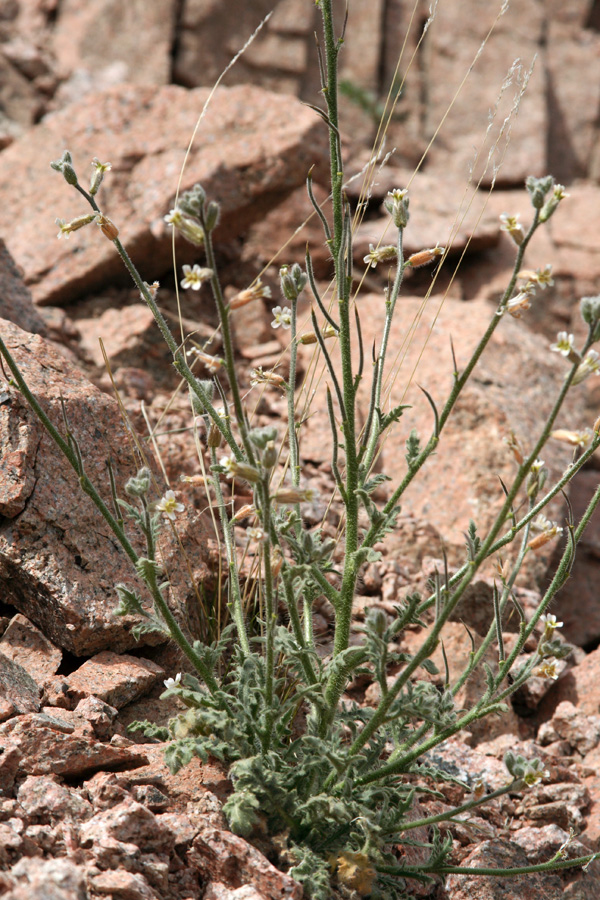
293	281
192	202
108	228
215	438
262	437
64	165
269	457
397	207
538	188
213	212
424	257
198	406
138	485
590	313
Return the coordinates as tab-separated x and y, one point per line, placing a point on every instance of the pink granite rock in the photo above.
252	148
515	36
122	884
117	679
49	745
53	542
16	304
502	854
47	879
45	800
130	823
19	693
26	645
227	858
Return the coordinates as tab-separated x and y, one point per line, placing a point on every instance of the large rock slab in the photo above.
15	300
131	41
512	388
453	45
26	645
49	745
59	560
252	148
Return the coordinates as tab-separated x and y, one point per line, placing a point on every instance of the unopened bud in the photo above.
139	485
424	257
397	206
269	457
108	228
276	562
538	188
293	281
215	438
213	211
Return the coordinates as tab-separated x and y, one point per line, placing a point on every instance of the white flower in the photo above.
564	343
589	364
170	683
547	669
282	316
533	772
550	622
195	276
375	255
65	230
169	506
520	302
102	167
512	226
542	277
256	534
228	463
173	217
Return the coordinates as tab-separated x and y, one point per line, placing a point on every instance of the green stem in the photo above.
372	535
390	307
234	578
551	866
179	360
224	313
450	815
89	489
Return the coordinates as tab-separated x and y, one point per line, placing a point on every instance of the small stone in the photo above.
25	644
18	690
123	885
229	859
48	745
116	679
46	801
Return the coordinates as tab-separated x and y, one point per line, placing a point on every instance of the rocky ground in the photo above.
88	810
